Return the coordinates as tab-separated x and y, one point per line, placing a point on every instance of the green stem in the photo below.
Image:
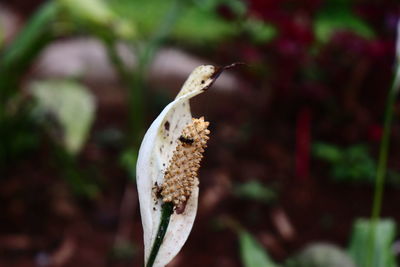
145	56
17	57
27	45
136	80
136	106
166	212
116	60
382	163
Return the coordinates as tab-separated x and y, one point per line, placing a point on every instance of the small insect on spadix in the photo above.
169	157
186	140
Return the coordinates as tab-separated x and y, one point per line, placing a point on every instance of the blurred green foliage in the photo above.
82	182
67	105
17	57
95	17
197	22
338	16
254	190
321	255
94	11
18	133
383	254
123	251
128	161
352	164
328	255
19	138
259	31
252	253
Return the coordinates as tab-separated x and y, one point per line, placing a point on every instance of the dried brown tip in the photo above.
181	175
219	70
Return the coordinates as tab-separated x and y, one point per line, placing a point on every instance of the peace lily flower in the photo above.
168	162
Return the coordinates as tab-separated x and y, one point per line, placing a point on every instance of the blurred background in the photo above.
288	178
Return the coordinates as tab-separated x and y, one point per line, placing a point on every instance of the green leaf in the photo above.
256	191
252	253
337	16
17	57
383	255
71	106
351	164
321	255
327	152
202	26
35	30
197	22
259	31
128	161
19	137
95	11
98	13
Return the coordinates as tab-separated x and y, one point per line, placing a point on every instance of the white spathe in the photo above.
155	153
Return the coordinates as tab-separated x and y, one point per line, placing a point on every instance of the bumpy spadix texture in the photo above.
172	129
181	175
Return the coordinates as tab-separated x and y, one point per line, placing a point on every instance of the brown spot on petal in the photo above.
166	125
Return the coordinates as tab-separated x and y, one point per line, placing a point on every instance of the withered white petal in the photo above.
155	153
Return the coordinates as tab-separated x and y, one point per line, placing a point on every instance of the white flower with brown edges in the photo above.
167	169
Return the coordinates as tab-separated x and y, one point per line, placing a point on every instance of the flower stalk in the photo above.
383	153
167	210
